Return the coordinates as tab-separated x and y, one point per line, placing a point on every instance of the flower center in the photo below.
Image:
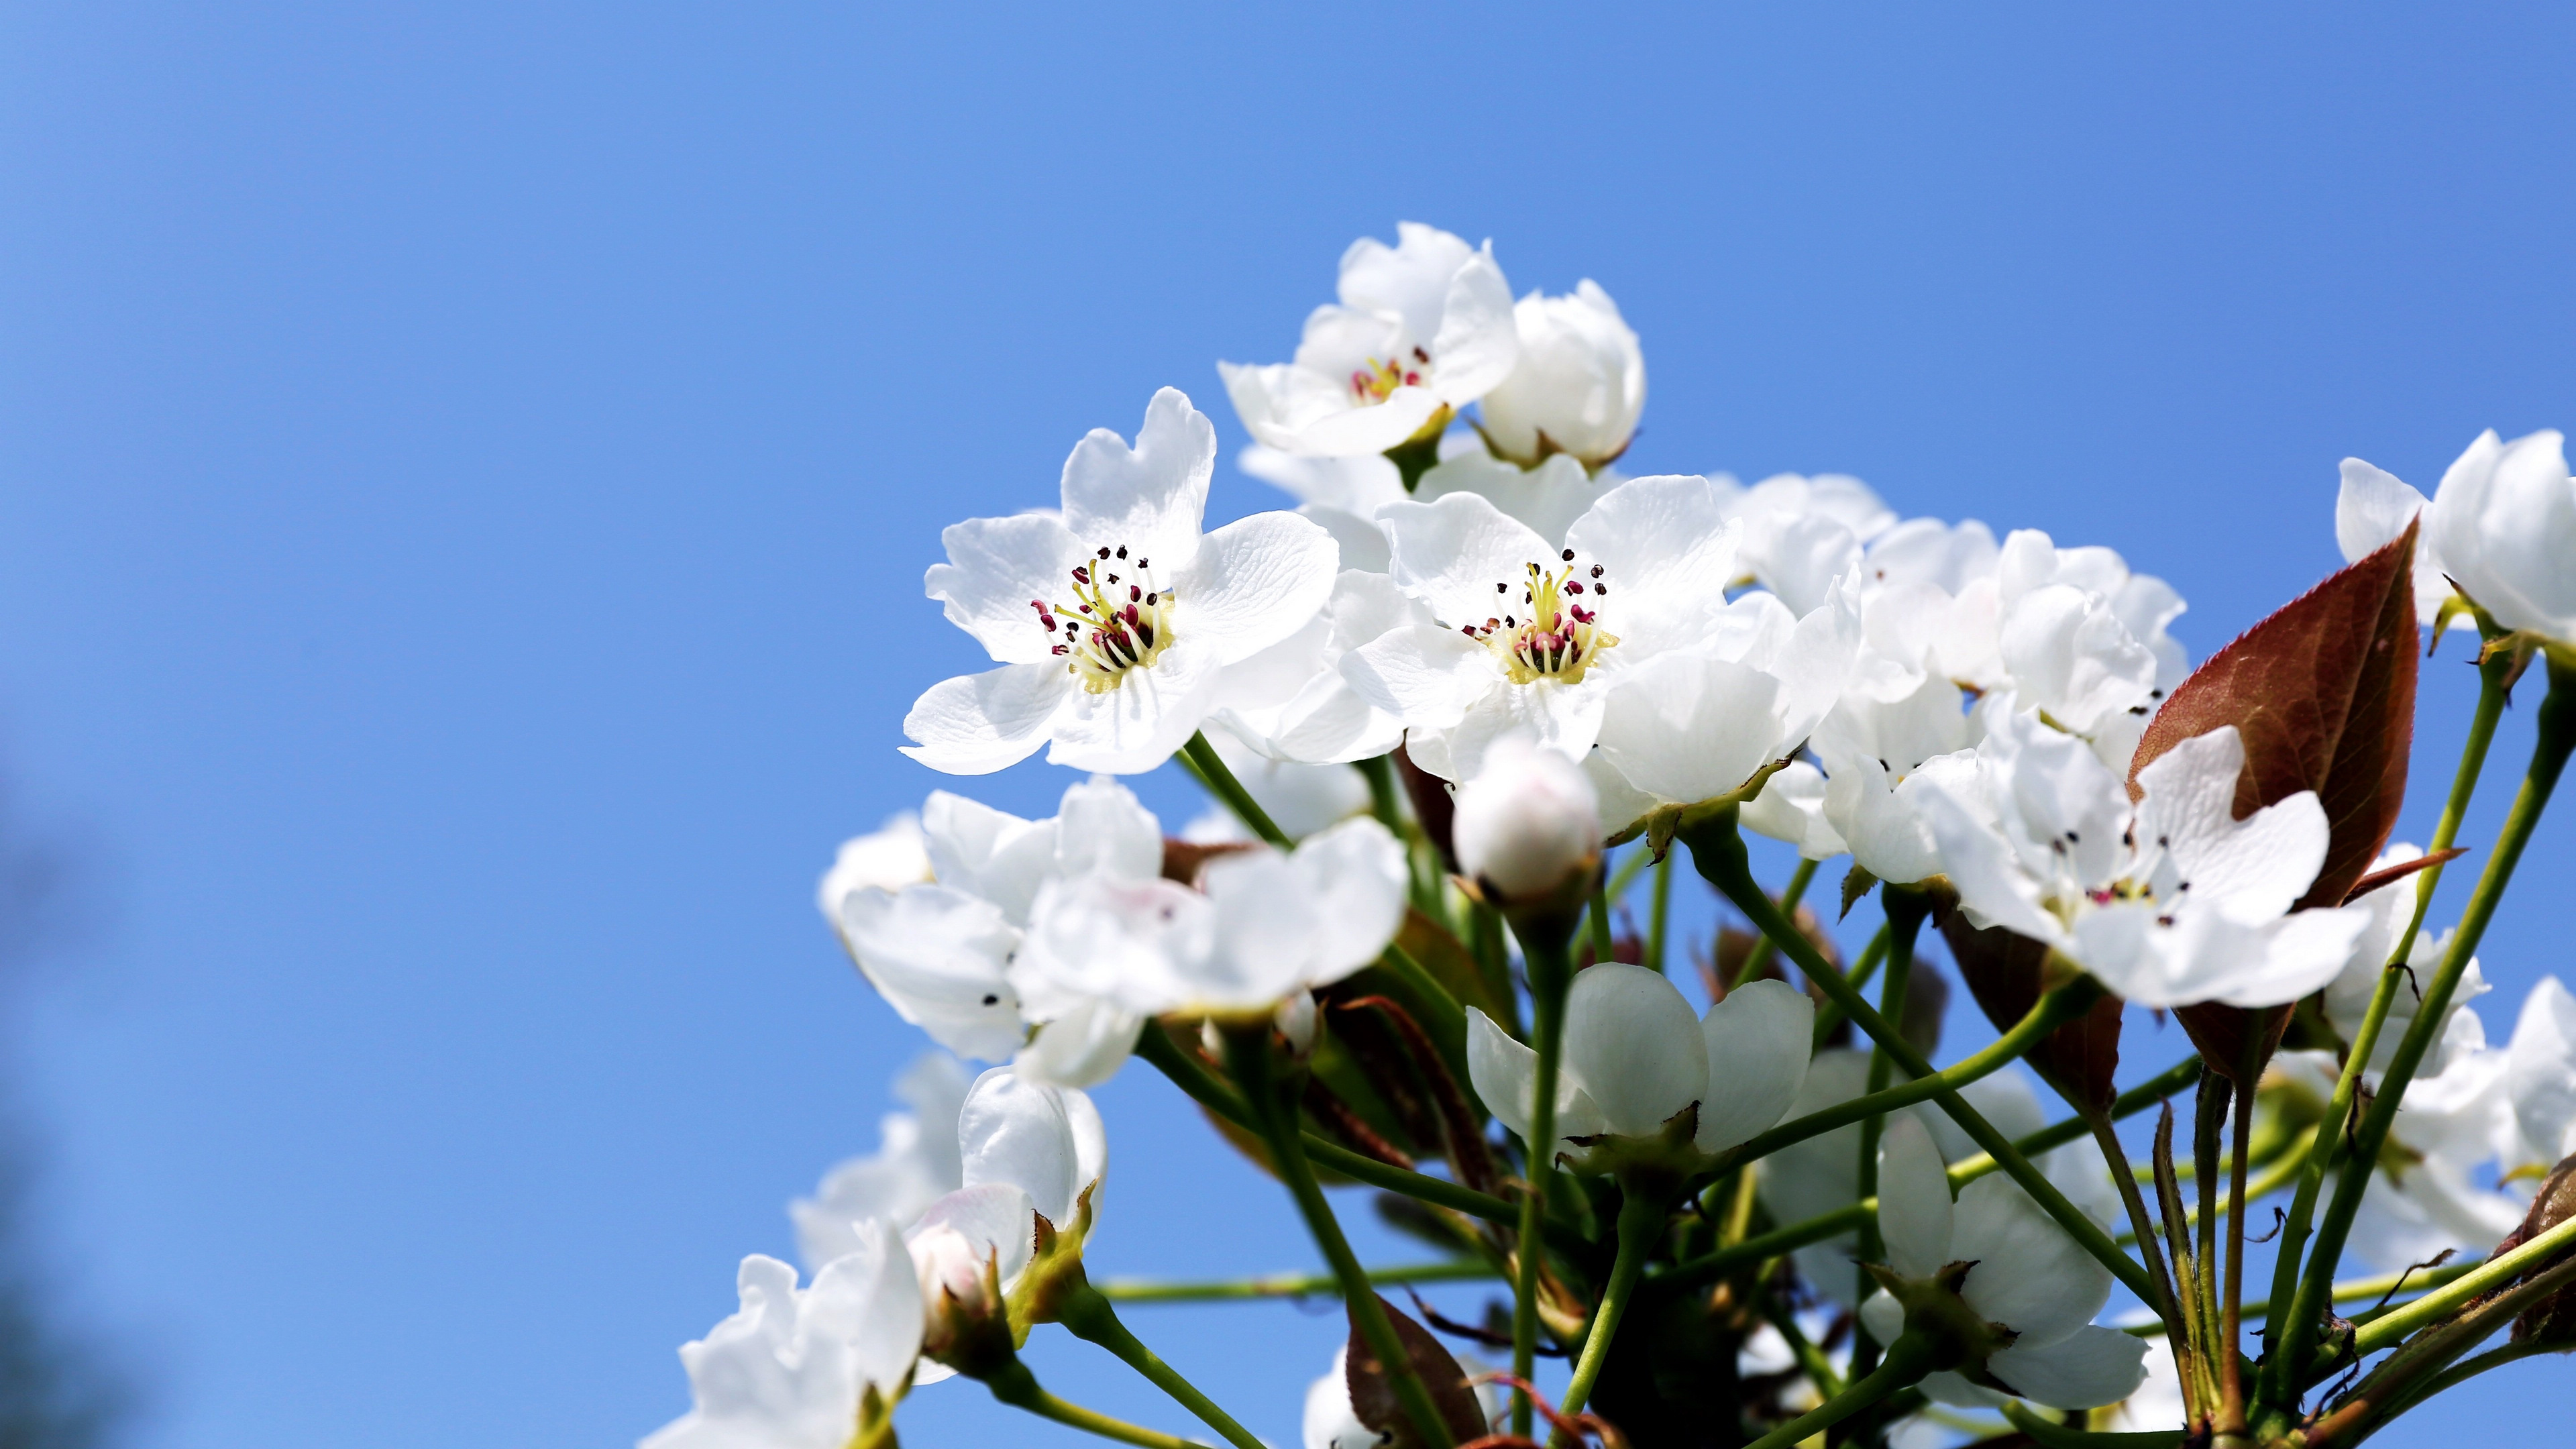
1118	622
1373	383
1551	635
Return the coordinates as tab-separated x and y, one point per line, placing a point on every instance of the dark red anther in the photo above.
1081	575
1129	614
1568	555
1573	587
1134	593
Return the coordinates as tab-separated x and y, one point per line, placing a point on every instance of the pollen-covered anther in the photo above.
1116	636
1560	639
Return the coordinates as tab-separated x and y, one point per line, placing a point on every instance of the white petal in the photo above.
1101	828
1913	1200
1422	674
1791	808
1477	342
2259	865
1634	1044
870	1302
997	567
2085	1370
1253	583
963	1232
1148	498
1982	866
986	852
1687	728
2030	1276
939	957
2541	1072
1450	553
1756	1042
1353	487
1080	1048
1353	878
1503	1072
975	724
1021	1133
2070	655
1330	1421
1141	723
1883	1316
1666	548
1547	498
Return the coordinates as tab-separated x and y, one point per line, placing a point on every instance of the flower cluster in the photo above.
1477	683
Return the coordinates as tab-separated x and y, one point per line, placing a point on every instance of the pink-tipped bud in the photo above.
1528	826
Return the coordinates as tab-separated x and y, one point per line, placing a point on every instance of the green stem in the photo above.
2442	1302
1641	1223
1551	973
1760	956
1908	1360
1088	1314
1220	782
1603	948
1284	1285
1014	1385
1185	1072
1247	1053
2325	1152
1445	1019
1485	941
1829	1016
1379	771
1905	914
1718	851
1659	919
2557	736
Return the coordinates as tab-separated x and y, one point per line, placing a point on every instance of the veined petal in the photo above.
975	724
1477	341
1982	866
1148	498
1503	1072
1756	1045
1547	498
1686	727
1554	715
2258	865
1632	1041
868	1302
1422	674
1353	878
1451	552
1138	725
1253	583
1668	548
996	567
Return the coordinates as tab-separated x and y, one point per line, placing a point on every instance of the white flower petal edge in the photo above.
2503	524
1578	386
1109	657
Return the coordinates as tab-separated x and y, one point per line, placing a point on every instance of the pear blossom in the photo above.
890	857
1801	534
1291	702
2503	524
792	1368
1578	386
2168	902
1263	926
1422	329
1636	1056
916	1163
1529	825
2023	1272
1529	638
2372	508
2347	997
1880	757
1026	1151
940	953
1114	618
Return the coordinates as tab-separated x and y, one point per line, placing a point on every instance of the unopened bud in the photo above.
1528	827
1578	386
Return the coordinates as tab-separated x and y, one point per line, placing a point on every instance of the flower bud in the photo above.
1528	828
1578	386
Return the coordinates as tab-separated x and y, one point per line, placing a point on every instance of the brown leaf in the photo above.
1856	883
2401	870
1373	1399
2003	973
2220	1031
2323	694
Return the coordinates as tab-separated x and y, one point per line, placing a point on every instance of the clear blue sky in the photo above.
466	472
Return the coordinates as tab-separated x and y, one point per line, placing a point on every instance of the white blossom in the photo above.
788	1370
1578	386
916	1163
2168	902
2025	1274
1422	328
1114	618
1635	1056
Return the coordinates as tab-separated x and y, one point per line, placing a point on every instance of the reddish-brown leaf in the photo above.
2003	973
2401	870
2323	694
1373	1399
2220	1031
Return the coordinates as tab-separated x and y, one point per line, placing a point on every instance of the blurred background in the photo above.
466	472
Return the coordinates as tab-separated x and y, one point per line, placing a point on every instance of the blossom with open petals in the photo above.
1636	1056
2168	902
1528	638
1114	618
2022	1272
1578	386
1422	329
792	1368
1263	925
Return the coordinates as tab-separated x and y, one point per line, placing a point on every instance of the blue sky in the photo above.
466	471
